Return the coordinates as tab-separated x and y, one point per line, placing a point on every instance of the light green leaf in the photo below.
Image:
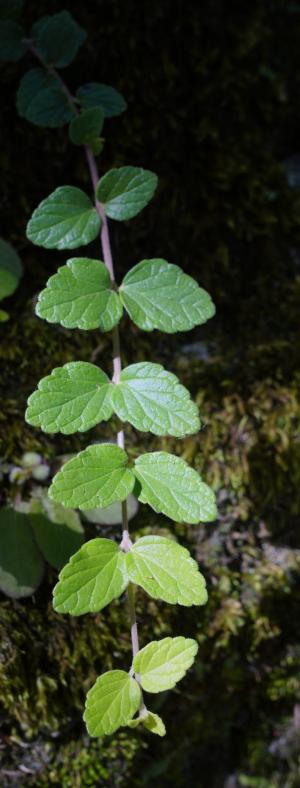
73	398
58	531
111	702
162	663
10	269
4	316
171	486
79	295
159	295
151	721
10	9
86	127
64	220
153	400
41	100
95	94
12	47
112	515
93	577
57	38
98	476
125	191
21	564
166	571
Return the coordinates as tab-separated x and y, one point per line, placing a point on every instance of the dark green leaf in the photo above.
125	191
59	537
171	486
87	127
58	38
111	702
160	295
153	400
80	296
94	576
72	399
10	269
95	94
97	476
21	564
64	220
41	100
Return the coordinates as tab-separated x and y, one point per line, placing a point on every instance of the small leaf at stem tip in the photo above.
41	100
64	220
169	485
125	191
97	476
111	702
79	295
153	400
11	269
162	663
160	295
58	38
87	126
165	570
12	47
73	398
94	576
95	94
151	721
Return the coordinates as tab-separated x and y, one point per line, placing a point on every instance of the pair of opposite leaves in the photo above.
116	695
79	395
40	98
156	295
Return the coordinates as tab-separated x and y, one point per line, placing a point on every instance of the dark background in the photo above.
213	92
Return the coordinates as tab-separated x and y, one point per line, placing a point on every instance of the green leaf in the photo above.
125	191
41	100
12	47
10	269
58	38
95	94
4	316
58	531
153	400
159	295
166	571
79	295
151	721
93	577
64	220
162	663
98	476
171	486
73	398
111	702
21	564
10	9
86	127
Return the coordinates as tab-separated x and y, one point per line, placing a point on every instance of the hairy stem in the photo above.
117	363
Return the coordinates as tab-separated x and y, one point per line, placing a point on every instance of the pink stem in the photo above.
117	364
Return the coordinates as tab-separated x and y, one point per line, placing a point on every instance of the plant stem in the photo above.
126	543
